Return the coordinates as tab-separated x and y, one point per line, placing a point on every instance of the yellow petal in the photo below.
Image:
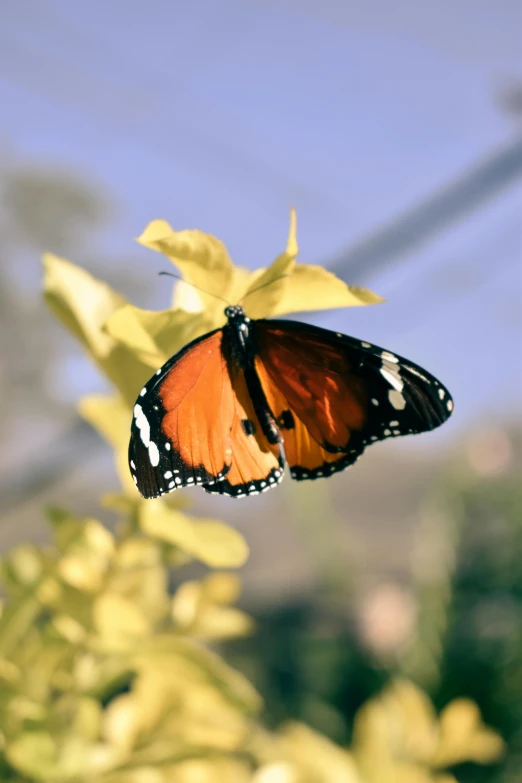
212	542
201	258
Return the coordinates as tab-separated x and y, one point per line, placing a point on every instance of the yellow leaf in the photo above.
278	772
201	258
119	619
69	628
292	248
87	719
212	542
463	736
81	302
222	588
84	304
195	608
216	770
399	723
268	286
155	336
316	757
87	558
192	664
34	754
315	288
121	722
112	418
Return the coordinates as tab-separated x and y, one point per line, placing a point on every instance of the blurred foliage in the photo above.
107	674
312	663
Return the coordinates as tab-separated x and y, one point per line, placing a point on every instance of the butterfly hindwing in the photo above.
343	395
306	458
257	465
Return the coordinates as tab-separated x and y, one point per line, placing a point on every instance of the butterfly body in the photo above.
234	405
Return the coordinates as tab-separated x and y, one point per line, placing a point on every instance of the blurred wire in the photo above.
469	191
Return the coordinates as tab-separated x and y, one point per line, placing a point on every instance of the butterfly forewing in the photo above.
181	425
194	423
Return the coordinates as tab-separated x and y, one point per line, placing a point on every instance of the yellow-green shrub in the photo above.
104	675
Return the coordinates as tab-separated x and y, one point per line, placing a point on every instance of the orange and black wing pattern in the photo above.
333	395
194	424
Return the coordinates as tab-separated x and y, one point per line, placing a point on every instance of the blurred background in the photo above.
395	131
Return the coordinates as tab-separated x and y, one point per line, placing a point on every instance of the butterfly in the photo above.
230	409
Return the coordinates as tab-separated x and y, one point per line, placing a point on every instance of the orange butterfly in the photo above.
233	406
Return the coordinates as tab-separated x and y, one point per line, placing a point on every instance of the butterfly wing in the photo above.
191	423
257	465
338	395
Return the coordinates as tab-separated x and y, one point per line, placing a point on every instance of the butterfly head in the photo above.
234	312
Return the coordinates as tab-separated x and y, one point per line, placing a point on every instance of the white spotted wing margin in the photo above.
400	397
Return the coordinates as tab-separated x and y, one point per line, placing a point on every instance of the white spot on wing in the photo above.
153	454
441	393
168	474
396	399
392	379
142	423
389	357
366	345
143	392
449	405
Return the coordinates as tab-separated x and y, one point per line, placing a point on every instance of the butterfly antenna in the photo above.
263	286
178	277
